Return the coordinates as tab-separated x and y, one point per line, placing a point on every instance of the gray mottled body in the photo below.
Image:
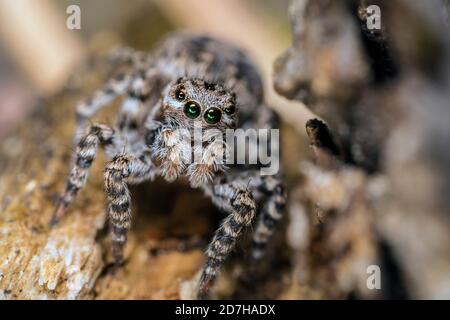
187	82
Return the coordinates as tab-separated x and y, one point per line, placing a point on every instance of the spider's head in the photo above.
190	102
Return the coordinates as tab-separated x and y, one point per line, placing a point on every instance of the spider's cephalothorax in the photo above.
189	107
193	99
188	83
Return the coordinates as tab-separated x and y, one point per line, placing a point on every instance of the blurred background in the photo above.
38	52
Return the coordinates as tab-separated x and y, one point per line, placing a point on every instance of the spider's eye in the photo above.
192	109
180	95
230	109
213	115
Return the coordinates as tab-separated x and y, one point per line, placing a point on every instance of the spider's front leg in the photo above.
119	172
242	208
98	135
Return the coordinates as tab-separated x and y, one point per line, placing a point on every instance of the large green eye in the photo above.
213	115
192	109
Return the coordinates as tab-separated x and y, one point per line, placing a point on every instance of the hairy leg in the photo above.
140	86
242	206
128	56
102	97
119	172
142	97
116	86
270	215
98	135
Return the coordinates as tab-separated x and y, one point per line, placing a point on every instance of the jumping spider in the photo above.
188	81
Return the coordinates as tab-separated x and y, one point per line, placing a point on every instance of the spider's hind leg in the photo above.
116	85
141	98
269	217
100	98
134	82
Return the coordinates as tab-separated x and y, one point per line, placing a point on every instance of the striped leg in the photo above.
243	208
102	97
127	56
138	87
134	105
85	154
117	86
270	215
123	170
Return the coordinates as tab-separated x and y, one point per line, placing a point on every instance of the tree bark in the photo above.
381	198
